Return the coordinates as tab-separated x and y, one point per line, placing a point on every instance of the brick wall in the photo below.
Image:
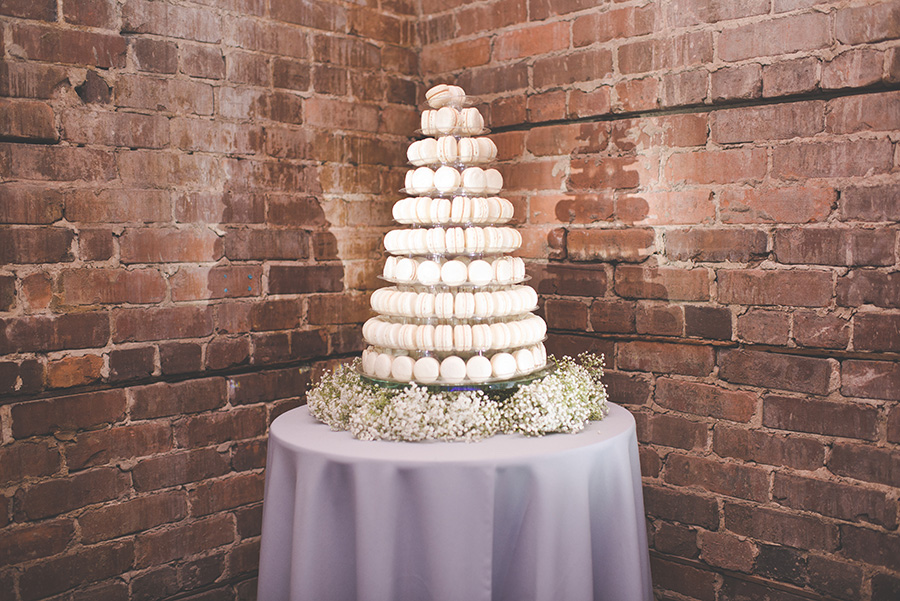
192	194
192	197
710	195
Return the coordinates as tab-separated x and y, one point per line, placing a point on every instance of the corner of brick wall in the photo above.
191	198
710	196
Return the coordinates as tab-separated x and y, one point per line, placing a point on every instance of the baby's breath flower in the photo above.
563	401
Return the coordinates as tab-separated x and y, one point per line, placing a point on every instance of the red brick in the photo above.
684	88
870	203
786	35
589	103
626	388
268	386
687	580
705	400
177	468
169	245
823	331
674	539
107	206
341	309
132	363
304	279
783	561
27	120
725	551
225	281
183	540
736	83
191	396
228	207
715	244
28	542
730	479
614	24
708	322
541	9
222	353
564	314
494	80
179	358
69	46
249	455
134	515
61	495
664	283
791	529
771	449
155	56
670	53
852	69
666	208
853	420
659	319
651	464
860	287
86	564
633	245
776	370
526	41
111	286
68	331
671	431
871	379
775	287
790	77
67	413
612	316
124	442
29	204
168	95
489	17
834	159
140	16
165	323
885	586
219	495
867	23
834	246
223	426
876	332
693	12
281	244
74	370
30	80
251	69
572	67
872	112
36	245
865	462
716	166
209	136
202	61
547	106
765	327
21	377
44	10
637	95
772	122
19	462
604	173
682	506
662	357
870	546
776	205
95	244
834	499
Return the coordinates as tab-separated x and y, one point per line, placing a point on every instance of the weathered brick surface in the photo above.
192	202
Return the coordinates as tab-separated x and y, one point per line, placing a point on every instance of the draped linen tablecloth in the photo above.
560	517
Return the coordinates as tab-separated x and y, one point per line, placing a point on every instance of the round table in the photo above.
558	517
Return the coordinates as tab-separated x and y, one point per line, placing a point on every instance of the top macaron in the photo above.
445	95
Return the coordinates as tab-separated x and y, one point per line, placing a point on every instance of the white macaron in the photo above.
426	370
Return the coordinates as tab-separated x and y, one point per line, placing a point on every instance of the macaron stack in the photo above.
457	311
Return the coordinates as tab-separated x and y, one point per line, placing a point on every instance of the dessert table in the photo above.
557	517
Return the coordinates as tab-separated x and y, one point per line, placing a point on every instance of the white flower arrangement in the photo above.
562	401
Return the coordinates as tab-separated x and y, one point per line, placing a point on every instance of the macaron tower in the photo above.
457	310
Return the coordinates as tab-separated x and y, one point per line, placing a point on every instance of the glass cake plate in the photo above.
507	385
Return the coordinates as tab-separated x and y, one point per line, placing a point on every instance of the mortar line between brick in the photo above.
704	108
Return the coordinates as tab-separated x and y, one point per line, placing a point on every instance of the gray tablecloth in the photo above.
559	517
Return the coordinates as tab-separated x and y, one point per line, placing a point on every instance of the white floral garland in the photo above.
563	401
